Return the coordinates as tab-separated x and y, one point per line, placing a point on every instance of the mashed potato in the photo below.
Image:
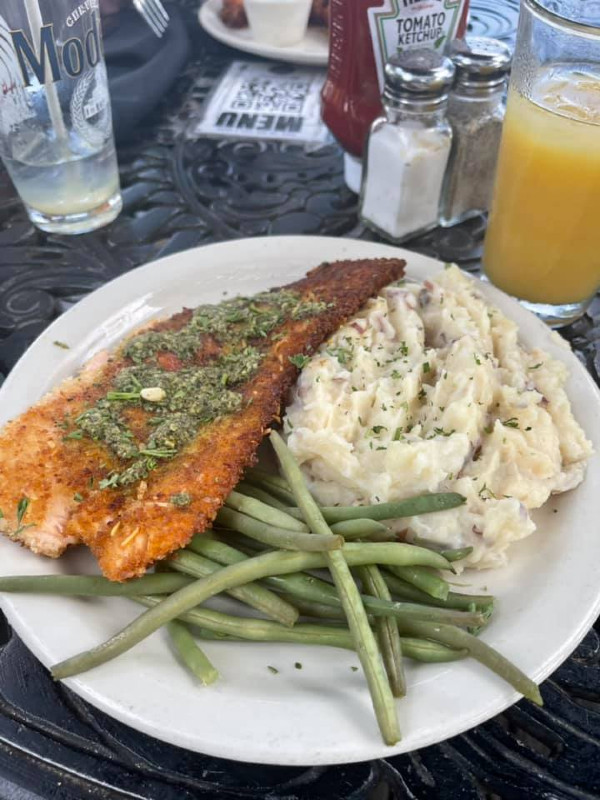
428	390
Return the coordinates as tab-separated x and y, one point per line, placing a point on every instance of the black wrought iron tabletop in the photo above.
180	193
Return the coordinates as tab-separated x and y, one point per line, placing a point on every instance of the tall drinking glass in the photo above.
56	138
543	240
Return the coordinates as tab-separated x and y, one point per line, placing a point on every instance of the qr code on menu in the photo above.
266	95
263	101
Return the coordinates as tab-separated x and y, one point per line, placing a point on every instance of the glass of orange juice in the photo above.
543	239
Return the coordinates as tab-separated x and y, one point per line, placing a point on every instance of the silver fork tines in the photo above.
154	13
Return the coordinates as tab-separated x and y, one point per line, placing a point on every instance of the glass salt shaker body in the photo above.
476	112
408	148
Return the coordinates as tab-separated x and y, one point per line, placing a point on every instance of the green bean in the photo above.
257	630
253	594
459	639
191	655
456	554
258	493
315	590
451	554
281	492
309	608
363	529
272	516
364	640
416	649
273	563
413	506
93	585
423	579
216	626
262	476
208	546
277	537
386	629
430	652
405	591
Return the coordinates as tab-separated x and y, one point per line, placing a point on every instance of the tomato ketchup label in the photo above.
410	24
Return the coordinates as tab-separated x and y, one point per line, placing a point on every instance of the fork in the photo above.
154	13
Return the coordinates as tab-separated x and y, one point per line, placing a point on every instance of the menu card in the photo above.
265	101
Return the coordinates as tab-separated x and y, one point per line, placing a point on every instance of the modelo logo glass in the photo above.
411	24
71	59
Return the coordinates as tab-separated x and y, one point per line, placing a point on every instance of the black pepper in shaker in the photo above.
476	113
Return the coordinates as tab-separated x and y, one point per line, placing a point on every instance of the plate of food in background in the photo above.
439	386
255	27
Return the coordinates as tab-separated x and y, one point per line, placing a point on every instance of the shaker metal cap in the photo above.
480	61
418	75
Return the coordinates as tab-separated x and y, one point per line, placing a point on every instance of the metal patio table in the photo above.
180	193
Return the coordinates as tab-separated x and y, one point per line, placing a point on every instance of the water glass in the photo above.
56	138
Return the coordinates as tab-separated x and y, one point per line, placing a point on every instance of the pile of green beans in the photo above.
384	599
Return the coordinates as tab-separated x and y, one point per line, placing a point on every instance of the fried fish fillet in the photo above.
50	491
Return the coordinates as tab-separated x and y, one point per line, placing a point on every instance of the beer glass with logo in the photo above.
56	138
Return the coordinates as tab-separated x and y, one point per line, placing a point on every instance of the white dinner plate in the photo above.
548	597
312	50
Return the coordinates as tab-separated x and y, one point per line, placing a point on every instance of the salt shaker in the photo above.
476	113
408	148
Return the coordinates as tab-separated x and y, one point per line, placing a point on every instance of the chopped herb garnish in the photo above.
378	428
62	345
343	355
124	396
486	493
181	500
426	367
442	432
22	507
1	514
513	422
422	394
299	360
398	434
111	482
396	375
537	366
477	359
529	428
179	395
274	670
73	435
78	497
354	669
298	665
488	429
403	349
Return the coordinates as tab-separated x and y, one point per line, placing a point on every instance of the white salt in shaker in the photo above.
408	148
476	113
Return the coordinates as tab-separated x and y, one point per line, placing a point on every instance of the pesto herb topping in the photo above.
178	403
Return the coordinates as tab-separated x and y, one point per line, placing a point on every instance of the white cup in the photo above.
278	22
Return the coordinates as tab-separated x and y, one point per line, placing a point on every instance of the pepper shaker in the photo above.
476	112
408	148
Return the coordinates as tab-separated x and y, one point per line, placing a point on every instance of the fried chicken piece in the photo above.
130	527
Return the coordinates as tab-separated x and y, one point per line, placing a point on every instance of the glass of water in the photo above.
56	137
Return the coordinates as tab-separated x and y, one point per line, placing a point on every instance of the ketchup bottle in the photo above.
362	36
